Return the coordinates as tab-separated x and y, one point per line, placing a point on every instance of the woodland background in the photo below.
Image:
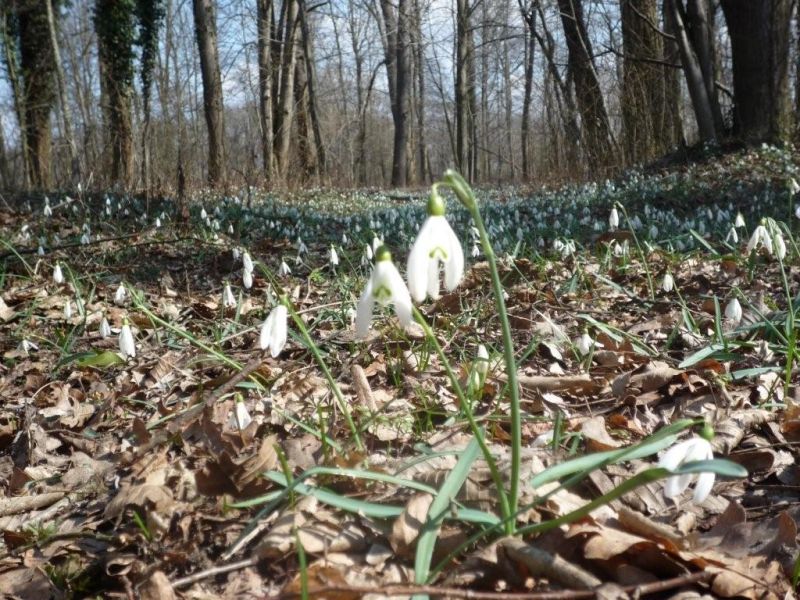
170	95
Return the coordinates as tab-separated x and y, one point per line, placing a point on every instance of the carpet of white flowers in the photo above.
280	395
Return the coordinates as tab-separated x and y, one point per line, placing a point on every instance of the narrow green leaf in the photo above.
438	510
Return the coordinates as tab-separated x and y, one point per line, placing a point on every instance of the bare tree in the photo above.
759	33
594	118
206	31
265	24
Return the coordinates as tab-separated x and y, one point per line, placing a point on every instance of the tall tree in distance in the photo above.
150	15
38	75
114	25
9	37
205	27
644	118
589	95
759	33
264	27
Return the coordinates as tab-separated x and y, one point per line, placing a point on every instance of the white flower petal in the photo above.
703	487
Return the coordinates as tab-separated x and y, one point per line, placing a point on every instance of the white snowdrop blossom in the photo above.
247	279
127	345
274	331
120	295
688	451
385	286
613	219
105	328
733	310
739	222
236	253
476	252
240	418
760	237
247	262
669	283
732	236
482	362
228	299
58	275
48	212
68	309
436	244
85	238
284	269
586	344
333	257
203	213
797	211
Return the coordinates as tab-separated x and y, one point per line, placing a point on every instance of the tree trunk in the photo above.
285	114
38	65
525	134
62	93
591	105
462	102
206	31
10	50
699	19
114	24
703	111
264	28
311	85
396	50
759	33
643	82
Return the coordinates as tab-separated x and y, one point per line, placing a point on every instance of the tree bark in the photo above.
264	28
701	103
311	88
38	65
10	52
759	33
206	31
396	51
285	114
591	105
62	93
115	33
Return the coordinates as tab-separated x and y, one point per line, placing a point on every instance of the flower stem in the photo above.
314	349
505	508
467	198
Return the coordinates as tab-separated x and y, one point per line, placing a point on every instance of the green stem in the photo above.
642	255
505	508
467	198
314	349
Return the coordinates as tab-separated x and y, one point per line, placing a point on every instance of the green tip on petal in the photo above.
382	253
707	433
435	204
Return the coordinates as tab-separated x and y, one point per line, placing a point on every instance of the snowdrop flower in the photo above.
40	251
333	257
230	229
203	213
236	253
476	252
26	346
68	309
733	310
120	294
48	212
760	237
240	418
688	451
779	246
376	243
228	299
732	236
668	284
301	247
247	262
739	222
85	238
158	222
436	243
284	269
613	219
273	331
482	363
105	328
247	279
385	286
58	276
127	345
344	239
794	187
586	344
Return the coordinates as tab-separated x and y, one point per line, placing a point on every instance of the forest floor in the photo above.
133	477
